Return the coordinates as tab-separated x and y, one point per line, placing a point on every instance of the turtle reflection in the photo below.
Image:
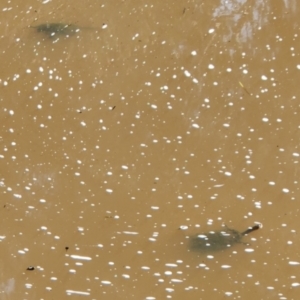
54	29
218	240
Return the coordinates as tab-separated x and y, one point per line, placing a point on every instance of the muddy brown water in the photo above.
170	121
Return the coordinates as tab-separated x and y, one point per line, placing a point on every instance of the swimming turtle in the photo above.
54	29
218	240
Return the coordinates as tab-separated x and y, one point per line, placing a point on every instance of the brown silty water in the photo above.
165	121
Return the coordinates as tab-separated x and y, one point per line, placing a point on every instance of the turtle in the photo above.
54	29
218	240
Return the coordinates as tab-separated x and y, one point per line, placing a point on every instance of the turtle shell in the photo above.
219	240
54	29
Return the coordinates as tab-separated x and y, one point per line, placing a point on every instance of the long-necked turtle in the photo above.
54	29
218	240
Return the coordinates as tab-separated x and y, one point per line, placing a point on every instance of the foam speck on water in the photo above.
155	207
249	250
227	173
294	263
130	232
285	190
79	257
295	284
225	266
257	204
187	73
171	265
263	77
183	227
72	292
176	280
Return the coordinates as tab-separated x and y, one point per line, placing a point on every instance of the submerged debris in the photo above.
219	240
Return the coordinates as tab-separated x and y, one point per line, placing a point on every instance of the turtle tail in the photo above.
253	228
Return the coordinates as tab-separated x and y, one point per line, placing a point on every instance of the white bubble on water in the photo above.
249	250
187	73
294	263
295	284
225	267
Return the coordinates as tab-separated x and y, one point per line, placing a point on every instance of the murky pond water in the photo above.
153	123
